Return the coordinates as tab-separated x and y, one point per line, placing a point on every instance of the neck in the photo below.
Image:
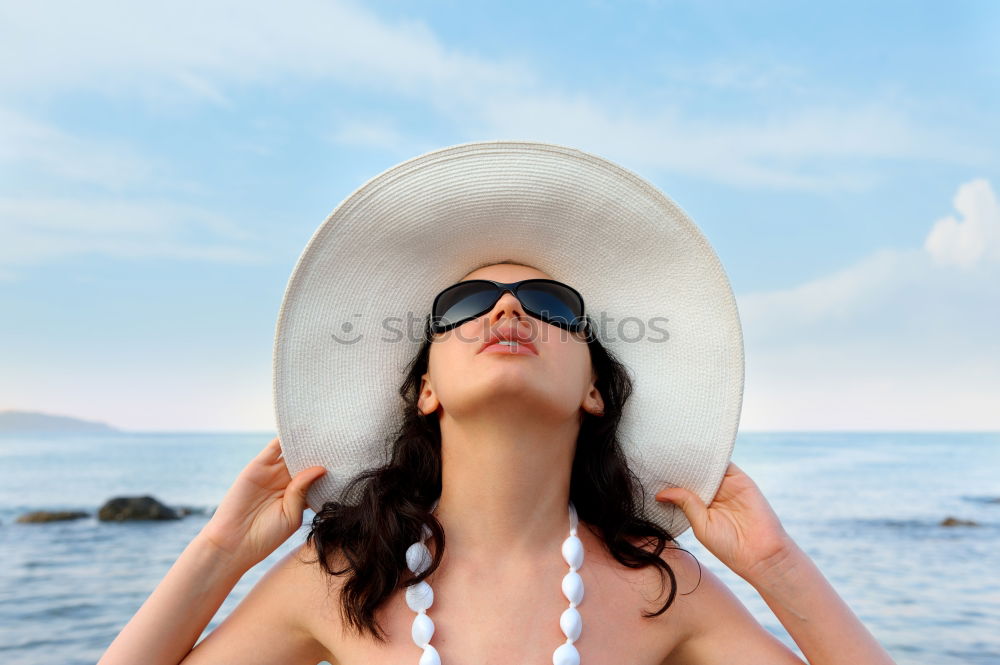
505	489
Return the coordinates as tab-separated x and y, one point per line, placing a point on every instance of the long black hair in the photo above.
373	533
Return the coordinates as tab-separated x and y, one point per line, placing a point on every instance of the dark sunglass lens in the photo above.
554	302
463	301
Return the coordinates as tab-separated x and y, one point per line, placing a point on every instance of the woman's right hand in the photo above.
262	508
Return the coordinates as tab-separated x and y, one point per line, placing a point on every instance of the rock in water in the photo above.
954	521
39	516
120	509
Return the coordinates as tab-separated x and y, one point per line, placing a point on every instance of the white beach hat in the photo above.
650	280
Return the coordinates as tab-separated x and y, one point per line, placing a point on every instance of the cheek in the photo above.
445	363
571	362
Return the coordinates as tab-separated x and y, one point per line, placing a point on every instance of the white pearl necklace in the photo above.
420	596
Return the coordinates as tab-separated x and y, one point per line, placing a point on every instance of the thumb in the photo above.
295	493
689	502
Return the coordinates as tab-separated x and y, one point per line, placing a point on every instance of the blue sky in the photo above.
162	167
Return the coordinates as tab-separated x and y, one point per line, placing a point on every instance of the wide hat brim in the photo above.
352	314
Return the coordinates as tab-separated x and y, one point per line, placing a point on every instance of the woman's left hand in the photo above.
738	527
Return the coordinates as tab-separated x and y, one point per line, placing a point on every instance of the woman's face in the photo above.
554	382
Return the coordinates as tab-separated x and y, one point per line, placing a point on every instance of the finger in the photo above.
689	502
295	494
265	456
270	450
733	471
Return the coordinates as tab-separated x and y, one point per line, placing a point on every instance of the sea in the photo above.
866	507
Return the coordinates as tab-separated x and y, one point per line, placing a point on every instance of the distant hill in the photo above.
23	422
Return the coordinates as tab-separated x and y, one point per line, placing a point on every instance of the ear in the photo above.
427	401
593	403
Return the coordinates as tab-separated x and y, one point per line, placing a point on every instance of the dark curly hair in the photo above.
395	499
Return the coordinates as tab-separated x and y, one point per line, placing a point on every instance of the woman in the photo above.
508	431
514	444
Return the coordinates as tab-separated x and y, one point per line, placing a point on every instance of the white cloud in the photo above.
36	230
976	238
760	75
898	339
45	222
27	144
370	133
809	149
200	51
103	45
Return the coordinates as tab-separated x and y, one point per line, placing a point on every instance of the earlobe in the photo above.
594	404
427	402
426	407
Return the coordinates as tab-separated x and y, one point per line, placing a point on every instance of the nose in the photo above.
507	307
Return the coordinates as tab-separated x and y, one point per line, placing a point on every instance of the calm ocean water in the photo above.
866	507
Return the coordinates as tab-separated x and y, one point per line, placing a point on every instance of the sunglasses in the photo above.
545	299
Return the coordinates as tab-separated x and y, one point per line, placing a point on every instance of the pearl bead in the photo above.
430	656
566	654
418	558
571	623
572	551
420	596
572	586
422	630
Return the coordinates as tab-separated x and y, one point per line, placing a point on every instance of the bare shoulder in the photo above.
317	594
680	584
273	622
699	592
713	623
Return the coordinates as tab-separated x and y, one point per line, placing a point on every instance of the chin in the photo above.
491	387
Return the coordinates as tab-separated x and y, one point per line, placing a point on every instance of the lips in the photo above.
522	337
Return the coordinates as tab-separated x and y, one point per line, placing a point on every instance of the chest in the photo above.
485	623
